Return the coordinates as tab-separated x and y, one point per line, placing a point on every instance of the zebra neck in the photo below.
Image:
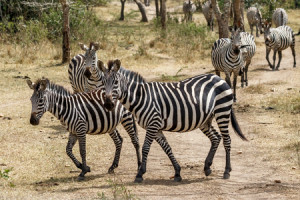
59	105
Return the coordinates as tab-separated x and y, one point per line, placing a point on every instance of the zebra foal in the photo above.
254	19
279	17
188	9
278	39
226	56
177	107
81	113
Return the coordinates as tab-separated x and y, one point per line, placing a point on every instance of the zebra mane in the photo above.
53	87
130	75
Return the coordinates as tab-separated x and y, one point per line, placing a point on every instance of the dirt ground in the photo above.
266	167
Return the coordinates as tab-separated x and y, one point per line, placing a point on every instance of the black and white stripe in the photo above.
208	14
279	17
188	9
254	19
278	39
178	107
81	113
226	56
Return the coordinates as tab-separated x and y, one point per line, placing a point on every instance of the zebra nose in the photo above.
108	104
33	119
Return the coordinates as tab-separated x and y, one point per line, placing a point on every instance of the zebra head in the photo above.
39	100
114	83
267	32
236	43
90	55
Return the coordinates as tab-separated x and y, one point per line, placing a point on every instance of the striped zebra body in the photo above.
81	113
226	56
250	48
278	39
254	19
177	107
85	76
279	17
208	14
188	9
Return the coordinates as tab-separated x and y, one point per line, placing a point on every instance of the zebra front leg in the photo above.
162	141
246	72
267	57
242	74
150	134
257	34
215	139
274	59
82	149
71	142
280	57
234	86
227	79
128	123
118	143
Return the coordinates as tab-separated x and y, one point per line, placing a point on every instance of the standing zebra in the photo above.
279	17
177	107
278	39
208	14
226	56
188	9
254	19
81	113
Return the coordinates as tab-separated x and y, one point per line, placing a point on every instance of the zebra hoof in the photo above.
80	178
177	178
138	179
111	171
207	172
226	175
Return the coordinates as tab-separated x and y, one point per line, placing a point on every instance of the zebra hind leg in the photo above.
280	57
71	142
162	141
118	143
293	51
215	139
82	149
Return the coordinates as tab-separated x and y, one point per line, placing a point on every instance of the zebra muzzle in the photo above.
33	119
108	104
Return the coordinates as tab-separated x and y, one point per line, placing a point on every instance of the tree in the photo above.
238	12
222	18
142	10
65	32
122	9
163	14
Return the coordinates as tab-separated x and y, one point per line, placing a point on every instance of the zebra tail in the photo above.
236	126
297	33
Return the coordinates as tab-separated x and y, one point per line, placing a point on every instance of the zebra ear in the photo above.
43	84
117	65
83	47
30	84
96	46
101	66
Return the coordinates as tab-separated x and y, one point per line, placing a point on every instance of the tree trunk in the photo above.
222	18
163	14
157	8
66	32
142	10
238	14
122	10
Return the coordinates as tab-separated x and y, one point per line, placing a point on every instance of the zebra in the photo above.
188	9
248	42
279	17
254	19
278	39
177	107
81	114
208	14
226	56
79	64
